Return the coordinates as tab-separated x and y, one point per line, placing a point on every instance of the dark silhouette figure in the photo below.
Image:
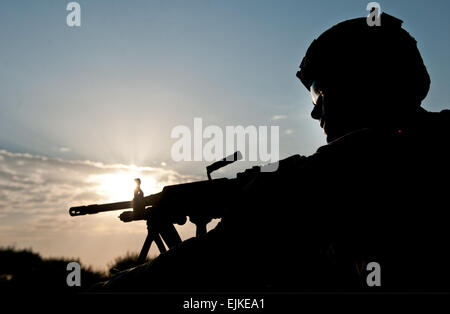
138	199
375	193
138	194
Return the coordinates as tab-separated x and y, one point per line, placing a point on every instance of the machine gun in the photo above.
201	201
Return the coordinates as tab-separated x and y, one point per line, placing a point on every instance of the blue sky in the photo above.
111	90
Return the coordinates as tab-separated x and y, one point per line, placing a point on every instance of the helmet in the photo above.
384	57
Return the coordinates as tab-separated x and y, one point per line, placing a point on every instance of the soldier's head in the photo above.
364	76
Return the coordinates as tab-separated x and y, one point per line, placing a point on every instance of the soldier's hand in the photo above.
127	216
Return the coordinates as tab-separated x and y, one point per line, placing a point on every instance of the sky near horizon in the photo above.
84	110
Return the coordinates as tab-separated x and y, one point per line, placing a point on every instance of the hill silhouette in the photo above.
24	270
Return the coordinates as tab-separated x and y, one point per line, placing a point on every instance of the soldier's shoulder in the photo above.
445	113
442	118
432	126
358	142
344	145
436	117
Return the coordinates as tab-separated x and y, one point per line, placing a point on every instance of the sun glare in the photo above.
116	187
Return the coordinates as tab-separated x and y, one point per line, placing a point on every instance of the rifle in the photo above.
201	201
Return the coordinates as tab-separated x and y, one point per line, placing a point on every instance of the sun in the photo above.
116	187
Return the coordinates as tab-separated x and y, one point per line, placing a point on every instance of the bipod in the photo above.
158	233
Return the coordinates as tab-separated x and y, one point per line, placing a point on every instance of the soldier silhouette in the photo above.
375	193
138	194
138	199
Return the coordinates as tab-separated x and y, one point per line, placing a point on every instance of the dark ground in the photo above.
26	271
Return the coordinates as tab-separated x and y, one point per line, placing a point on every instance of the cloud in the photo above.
37	191
279	117
289	131
30	182
61	149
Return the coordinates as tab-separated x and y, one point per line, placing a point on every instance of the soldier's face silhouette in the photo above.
341	109
332	110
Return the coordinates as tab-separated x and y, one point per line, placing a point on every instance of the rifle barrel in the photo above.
96	208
